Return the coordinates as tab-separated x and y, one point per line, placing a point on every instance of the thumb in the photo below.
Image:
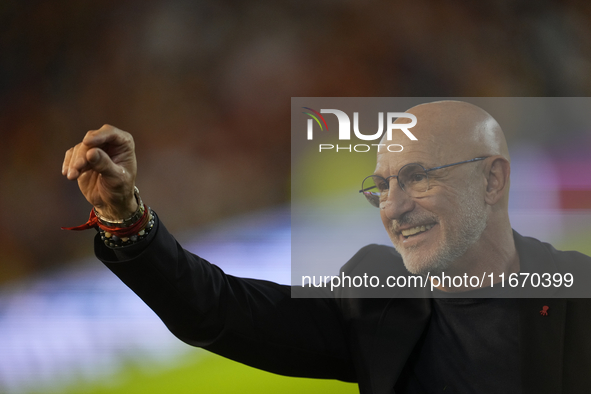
100	162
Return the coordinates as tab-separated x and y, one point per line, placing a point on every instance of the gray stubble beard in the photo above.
471	222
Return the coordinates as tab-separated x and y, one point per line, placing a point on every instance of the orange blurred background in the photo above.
205	89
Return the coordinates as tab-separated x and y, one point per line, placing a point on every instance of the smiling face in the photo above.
435	230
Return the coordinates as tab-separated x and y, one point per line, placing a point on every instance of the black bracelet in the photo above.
114	242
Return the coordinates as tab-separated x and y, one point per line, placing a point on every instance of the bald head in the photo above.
448	132
455	130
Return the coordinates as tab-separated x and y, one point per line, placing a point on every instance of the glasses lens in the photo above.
413	179
374	188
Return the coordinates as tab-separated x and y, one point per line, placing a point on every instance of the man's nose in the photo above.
397	203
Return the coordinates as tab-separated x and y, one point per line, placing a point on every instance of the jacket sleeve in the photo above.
254	322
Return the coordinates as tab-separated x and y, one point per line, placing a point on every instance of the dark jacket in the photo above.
341	336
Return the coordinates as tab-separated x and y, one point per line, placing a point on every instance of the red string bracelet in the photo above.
122	232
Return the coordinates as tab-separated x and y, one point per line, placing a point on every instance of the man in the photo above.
444	204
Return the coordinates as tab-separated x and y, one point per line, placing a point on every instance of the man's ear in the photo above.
497	179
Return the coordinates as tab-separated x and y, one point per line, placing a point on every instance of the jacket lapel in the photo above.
542	343
541	322
398	331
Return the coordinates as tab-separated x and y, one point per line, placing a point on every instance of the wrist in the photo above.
122	217
115	215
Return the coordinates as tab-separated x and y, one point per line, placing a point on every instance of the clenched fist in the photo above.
105	167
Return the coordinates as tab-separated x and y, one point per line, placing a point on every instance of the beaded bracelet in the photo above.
114	240
121	233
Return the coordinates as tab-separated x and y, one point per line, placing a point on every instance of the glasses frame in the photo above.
426	172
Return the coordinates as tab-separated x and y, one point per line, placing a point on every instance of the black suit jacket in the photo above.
341	336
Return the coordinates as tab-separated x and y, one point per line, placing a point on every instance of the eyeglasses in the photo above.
413	178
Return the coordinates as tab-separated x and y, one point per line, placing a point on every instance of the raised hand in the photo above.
104	164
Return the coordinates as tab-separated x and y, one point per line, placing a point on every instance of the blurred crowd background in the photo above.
205	87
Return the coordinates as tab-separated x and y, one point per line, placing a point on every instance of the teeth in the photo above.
415	230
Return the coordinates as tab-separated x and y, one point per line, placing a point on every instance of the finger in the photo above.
100	162
66	163
72	172
106	135
78	162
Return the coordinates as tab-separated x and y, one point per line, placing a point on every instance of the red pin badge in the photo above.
544	311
